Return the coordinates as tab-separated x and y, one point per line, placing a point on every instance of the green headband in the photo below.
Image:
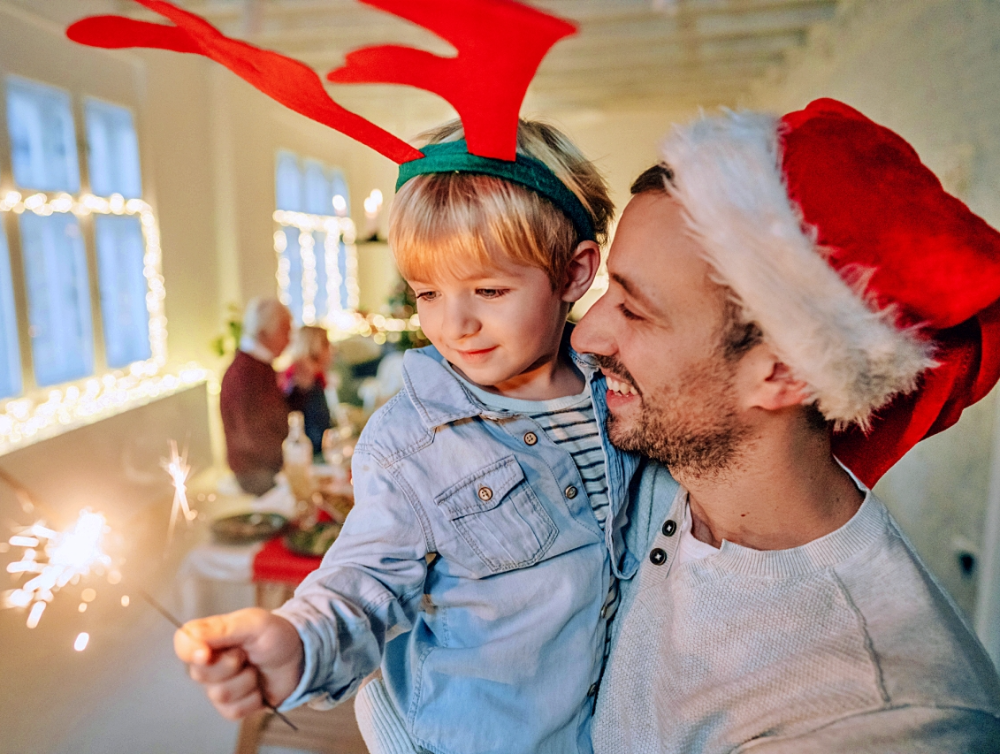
454	157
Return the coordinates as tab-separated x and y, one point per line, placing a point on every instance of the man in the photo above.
254	412
773	282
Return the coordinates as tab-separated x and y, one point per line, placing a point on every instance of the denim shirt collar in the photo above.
441	399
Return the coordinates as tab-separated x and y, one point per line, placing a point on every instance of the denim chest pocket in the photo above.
499	517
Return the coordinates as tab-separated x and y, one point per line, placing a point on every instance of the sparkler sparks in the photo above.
55	559
179	470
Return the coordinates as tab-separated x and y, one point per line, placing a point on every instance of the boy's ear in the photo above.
768	383
580	271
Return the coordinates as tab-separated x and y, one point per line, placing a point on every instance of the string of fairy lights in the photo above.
336	230
31	418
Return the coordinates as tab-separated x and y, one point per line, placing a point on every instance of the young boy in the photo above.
479	564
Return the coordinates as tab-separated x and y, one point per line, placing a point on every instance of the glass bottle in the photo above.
297	453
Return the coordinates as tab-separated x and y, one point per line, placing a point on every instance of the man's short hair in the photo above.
263	315
656	178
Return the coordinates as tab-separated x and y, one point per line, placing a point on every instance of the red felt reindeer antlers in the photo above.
500	44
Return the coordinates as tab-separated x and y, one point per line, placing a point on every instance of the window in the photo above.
317	266
65	234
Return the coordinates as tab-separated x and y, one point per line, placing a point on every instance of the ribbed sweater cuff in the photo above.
379	721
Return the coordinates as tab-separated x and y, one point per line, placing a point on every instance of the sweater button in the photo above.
669	527
571	492
530	438
657	556
592	691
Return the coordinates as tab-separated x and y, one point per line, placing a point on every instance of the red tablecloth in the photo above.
275	562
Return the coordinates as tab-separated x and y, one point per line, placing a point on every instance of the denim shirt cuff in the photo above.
314	658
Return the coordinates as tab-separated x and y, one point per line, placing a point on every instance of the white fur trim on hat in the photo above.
728	179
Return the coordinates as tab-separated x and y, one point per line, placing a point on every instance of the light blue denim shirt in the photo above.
495	644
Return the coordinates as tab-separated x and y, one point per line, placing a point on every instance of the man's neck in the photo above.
783	491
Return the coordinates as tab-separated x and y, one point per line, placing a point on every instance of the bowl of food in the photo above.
246	528
313	541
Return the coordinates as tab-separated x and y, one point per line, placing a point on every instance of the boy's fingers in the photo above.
191	650
236	690
223	666
196	640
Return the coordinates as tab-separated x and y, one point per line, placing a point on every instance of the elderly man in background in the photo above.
793	304
254	411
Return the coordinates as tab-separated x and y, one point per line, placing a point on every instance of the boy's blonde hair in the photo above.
307	343
453	221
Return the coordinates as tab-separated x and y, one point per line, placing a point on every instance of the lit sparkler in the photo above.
179	470
55	559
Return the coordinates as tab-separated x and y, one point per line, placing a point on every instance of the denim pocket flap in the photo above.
482	490
497	514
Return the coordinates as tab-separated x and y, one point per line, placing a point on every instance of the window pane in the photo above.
113	151
293	257
318	191
288	183
120	251
58	297
43	141
10	357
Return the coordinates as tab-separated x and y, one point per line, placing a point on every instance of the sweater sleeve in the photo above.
893	730
367	590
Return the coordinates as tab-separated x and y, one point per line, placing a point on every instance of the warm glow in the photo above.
373	203
64	557
81	642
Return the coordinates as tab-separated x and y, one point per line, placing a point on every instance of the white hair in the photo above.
263	315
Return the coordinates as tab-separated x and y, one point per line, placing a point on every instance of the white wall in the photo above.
928	70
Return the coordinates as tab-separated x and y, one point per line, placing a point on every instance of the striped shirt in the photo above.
568	422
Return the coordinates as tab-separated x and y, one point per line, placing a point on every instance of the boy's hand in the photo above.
239	655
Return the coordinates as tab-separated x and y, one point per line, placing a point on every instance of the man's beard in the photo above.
692	427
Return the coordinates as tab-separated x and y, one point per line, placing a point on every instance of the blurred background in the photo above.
146	196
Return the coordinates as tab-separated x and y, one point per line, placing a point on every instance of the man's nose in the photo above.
592	333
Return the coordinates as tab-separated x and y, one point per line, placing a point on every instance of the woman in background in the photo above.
305	381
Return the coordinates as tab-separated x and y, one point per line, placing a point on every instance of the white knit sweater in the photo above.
845	644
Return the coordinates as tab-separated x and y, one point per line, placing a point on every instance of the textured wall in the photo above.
927	69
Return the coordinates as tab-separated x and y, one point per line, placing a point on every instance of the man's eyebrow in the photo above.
636	292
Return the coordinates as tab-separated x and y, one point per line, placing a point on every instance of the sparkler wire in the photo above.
173	619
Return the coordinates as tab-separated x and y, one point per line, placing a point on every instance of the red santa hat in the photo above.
874	285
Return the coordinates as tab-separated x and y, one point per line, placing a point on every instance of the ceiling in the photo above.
627	54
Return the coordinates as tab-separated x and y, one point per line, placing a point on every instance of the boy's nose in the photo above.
460	321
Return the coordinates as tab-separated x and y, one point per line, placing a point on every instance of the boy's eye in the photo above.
425	295
627	313
491	292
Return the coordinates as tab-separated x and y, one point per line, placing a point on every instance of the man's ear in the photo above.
769	383
580	271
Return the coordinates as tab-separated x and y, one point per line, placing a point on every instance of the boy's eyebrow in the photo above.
637	293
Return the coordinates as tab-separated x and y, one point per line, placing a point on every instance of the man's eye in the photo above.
491	292
628	314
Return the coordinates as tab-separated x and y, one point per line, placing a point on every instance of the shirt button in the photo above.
657	556
530	438
485	494
604	611
592	691
669	527
571	492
